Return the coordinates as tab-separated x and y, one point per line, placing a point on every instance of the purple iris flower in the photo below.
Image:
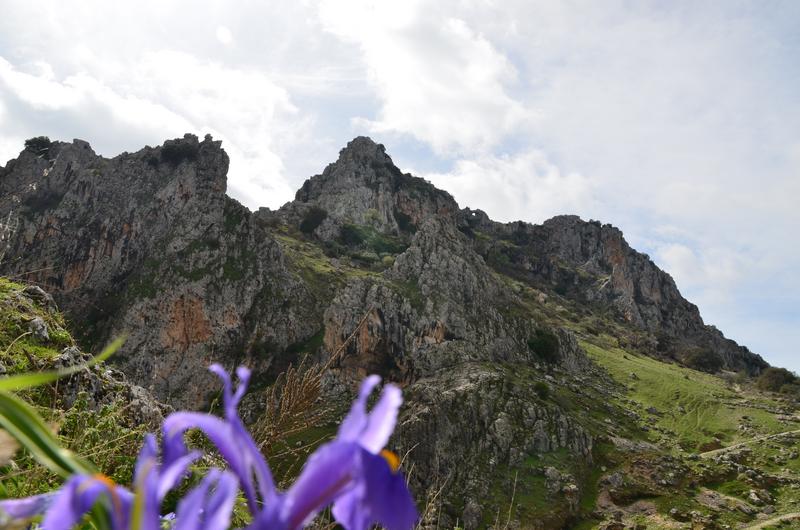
65	508
209	505
353	472
230	437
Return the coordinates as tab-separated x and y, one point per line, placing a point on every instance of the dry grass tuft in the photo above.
294	405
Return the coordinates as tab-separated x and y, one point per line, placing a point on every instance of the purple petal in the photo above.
349	512
243	373
200	510
327	474
78	496
170	475
382	419
27	507
220	506
190	508
356	420
253	460
381	497
234	444
221	435
148	453
387	495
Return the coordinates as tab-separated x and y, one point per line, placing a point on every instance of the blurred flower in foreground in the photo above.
354	473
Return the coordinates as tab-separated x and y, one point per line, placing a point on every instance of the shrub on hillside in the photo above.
702	359
774	379
38	145
542	389
176	151
312	219
545	345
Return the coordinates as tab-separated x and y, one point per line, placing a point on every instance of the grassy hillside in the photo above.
90	411
693	410
722	454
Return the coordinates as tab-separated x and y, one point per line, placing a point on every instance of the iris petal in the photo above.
190	508
387	496
201	510
379	497
27	507
230	437
356	420
220	505
381	421
77	497
327	474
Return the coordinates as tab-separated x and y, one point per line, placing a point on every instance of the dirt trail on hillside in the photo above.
774	520
715	452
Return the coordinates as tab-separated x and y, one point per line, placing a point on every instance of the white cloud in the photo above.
438	79
224	35
166	94
711	275
509	188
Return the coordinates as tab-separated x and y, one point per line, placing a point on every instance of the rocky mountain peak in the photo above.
364	187
364	149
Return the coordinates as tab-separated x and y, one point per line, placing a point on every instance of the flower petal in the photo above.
78	496
169	476
190	508
219	507
147	503
349	512
381	497
381	421
328	473
390	501
356	420
25	508
253	459
201	510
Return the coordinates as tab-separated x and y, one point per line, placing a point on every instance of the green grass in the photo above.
310	264
103	434
711	409
19	350
369	238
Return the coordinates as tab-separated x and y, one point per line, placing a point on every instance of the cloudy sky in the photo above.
677	122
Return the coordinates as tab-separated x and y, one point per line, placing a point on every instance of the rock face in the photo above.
50	347
592	263
464	312
148	244
364	187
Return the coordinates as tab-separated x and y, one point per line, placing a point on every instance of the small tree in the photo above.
542	389
312	219
774	379
176	151
545	345
38	145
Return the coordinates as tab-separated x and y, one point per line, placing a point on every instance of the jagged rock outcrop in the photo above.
501	429
437	307
365	187
148	244
592	263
